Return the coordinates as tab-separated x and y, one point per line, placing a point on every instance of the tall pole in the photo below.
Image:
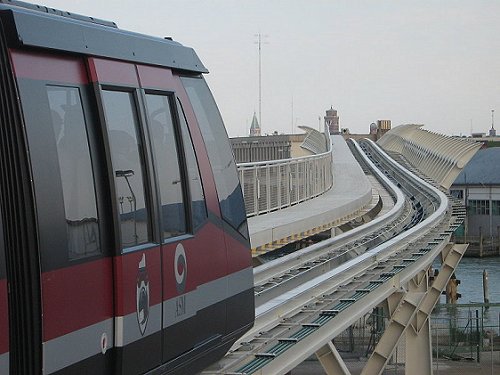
492	119
260	42
260	80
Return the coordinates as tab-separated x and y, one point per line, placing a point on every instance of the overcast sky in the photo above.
435	63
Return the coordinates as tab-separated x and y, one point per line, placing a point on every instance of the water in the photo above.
470	274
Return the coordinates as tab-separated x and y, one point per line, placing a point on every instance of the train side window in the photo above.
77	177
173	211
126	145
198	204
219	153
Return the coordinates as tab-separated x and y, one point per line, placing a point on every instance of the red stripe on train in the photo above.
127	276
79	296
206	260
112	71
239	256
76	297
41	66
4	318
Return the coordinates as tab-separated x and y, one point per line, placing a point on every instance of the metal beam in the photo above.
331	361
418	360
413	311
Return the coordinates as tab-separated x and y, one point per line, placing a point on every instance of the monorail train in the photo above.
124	245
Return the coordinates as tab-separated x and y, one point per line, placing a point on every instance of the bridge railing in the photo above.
276	184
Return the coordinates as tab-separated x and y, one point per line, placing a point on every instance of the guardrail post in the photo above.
255	192
268	190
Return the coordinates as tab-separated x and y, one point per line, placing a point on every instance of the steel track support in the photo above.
419	351
331	361
400	320
413	311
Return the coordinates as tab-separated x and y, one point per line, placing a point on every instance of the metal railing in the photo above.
276	184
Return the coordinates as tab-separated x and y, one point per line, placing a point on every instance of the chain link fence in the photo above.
467	334
465	340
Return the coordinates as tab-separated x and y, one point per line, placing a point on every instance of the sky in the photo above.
435	63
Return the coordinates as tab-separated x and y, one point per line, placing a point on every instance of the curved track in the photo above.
306	298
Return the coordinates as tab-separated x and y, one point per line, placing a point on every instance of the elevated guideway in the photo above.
351	195
327	289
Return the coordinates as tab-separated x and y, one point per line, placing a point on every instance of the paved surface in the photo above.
351	191
313	367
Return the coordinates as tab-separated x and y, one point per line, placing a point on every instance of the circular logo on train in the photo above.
142	297
180	268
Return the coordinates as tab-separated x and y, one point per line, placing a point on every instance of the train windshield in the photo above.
219	152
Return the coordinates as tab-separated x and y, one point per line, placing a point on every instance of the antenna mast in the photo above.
260	42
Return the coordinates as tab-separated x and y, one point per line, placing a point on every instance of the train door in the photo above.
137	264
194	253
169	275
72	218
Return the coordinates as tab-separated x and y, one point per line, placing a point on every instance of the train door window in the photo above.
77	178
198	205
126	145
219	153
173	211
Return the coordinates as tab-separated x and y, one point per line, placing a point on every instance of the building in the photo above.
383	126
478	186
279	146
255	127
332	121
261	148
492	132
377	130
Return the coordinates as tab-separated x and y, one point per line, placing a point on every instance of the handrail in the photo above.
272	185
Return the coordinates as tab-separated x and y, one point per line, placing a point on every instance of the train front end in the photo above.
124	245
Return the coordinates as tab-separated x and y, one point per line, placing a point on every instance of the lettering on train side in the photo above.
142	299
180	306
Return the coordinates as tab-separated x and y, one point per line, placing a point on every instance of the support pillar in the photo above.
419	350
411	317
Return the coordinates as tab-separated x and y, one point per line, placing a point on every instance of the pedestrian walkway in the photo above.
351	193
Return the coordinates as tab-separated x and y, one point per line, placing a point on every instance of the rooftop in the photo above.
482	169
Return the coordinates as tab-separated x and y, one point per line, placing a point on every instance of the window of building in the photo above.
173	213
126	156
219	153
457	193
479	207
495	208
77	178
